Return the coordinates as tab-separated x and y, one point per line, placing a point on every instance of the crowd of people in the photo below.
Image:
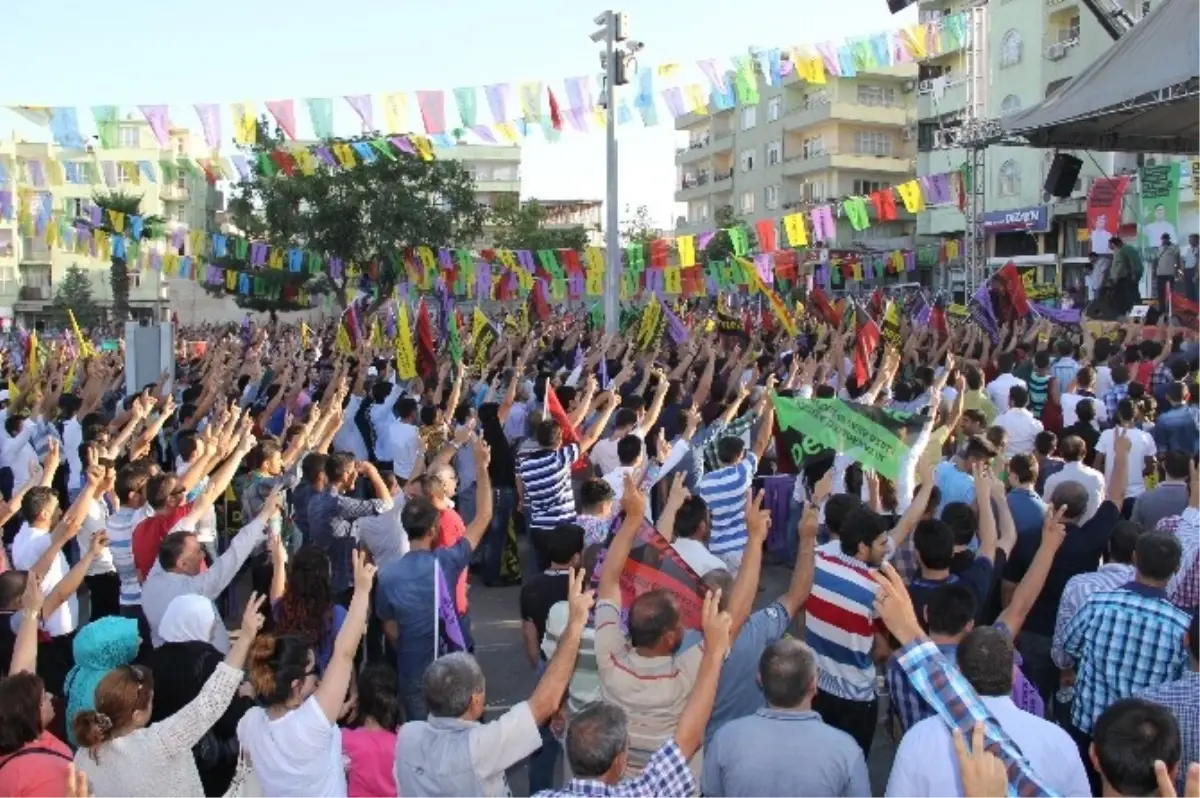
254	577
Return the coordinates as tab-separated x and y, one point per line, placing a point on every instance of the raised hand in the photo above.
364	572
252	618
579	601
715	623
982	774
633	502
758	520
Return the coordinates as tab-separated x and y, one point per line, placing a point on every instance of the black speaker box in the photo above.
1064	171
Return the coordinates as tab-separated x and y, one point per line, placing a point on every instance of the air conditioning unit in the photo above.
909	86
908	134
1056	52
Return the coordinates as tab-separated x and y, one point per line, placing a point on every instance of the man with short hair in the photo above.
784	748
1073	451
449	752
1169	264
1131	736
1177	428
1020	424
1182	697
333	517
925	762
1169	497
1126	640
999	388
955	477
179	570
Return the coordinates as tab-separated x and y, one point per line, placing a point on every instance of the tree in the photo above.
365	214
638	228
721	247
74	293
523	226
130	205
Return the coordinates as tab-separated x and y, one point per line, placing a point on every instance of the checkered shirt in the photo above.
666	774
1109	576
1184	587
1182	697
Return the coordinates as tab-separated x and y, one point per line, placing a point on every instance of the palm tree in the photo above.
130	205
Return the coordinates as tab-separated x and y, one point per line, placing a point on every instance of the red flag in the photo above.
866	341
426	359
538	297
825	311
555	114
937	320
1014	288
1181	306
876	306
766	235
554	410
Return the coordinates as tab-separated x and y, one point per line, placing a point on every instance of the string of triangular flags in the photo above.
516	110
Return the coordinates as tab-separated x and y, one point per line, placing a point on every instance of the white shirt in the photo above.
1104	384
1090	478
1022	429
348	438
28	546
997	389
298	754
697	556
95	521
404	447
616	477
1141	447
9	446
1070	401
206	525
604	452
72	439
382	419
926	765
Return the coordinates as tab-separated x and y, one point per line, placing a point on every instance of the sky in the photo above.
182	52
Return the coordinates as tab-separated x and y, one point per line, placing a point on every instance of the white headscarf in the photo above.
188	617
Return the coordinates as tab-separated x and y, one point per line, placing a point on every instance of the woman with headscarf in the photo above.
181	666
101	646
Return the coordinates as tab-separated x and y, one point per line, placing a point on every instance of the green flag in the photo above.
455	343
868	435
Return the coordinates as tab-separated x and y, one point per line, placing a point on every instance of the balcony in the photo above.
814	112
800	165
944	95
34	250
35	293
173	192
710	144
692	186
690	119
940	220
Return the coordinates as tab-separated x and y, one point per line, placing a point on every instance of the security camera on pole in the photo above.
614	28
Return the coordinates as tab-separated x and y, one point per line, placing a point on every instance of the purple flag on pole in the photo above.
445	615
675	328
1067	317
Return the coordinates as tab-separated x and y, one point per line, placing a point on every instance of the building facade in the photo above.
30	271
1032	48
800	145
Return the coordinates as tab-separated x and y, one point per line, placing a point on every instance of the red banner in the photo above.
1104	210
654	564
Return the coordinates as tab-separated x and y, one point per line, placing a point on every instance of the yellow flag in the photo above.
377	339
793	227
304	333
697	102
649	322
478	323
245	125
341	342
687	250
13	393
84	347
406	358
395	111
33	364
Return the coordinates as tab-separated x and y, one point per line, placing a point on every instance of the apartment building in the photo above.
496	168
564	213
30	272
1032	48
802	144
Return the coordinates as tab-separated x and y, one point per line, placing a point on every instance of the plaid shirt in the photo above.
1184	587
1160	380
1124	640
666	774
954	700
1109	576
1113	398
332	522
1182	697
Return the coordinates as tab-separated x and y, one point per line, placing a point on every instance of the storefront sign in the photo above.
1029	220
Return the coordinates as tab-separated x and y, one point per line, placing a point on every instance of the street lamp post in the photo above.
614	28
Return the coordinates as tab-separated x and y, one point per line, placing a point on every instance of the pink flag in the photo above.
284	112
210	123
361	103
433	111
156	115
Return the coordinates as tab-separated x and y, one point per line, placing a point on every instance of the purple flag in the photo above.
445	615
1067	317
675	328
156	115
604	380
983	314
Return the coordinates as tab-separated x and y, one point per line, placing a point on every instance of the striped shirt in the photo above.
1064	370
840	624
546	475
120	542
585	679
725	491
1125	641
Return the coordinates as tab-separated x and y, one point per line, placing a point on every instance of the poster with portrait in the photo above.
1158	205
1104	211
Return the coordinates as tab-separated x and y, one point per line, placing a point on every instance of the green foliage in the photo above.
638	228
74	293
720	247
130	205
363	214
523	226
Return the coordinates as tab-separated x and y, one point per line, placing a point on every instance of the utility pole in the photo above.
614	28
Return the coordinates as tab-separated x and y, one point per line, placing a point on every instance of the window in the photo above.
774	152
127	173
8	276
1010	48
864	187
7	245
748	202
814	191
127	136
1010	105
746	158
698	213
1010	179
181	183
180	215
774	109
74	207
877	95
504	173
871	142
814	147
179	147
749	116
771	197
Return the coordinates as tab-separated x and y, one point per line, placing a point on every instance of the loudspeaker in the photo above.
149	351
896	6
1064	171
